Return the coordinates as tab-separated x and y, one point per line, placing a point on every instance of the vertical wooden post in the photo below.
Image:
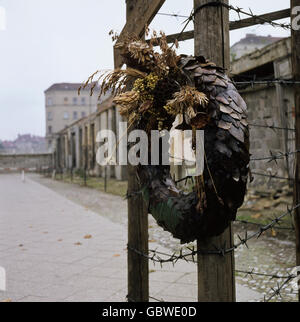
216	281
138	266
296	76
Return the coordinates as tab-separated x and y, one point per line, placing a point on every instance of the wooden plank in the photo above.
216	282
233	25
296	76
138	266
139	14
272	16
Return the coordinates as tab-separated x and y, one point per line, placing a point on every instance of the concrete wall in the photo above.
16	162
265	109
269	105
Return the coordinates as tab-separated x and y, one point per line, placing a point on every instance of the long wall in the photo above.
30	162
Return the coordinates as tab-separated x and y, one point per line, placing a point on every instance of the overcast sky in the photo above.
52	41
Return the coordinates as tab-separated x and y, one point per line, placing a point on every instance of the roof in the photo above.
68	87
260	57
253	39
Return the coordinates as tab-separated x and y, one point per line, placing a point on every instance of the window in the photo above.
49	129
50	116
75	100
66	115
66	100
75	115
83	114
49	101
83	102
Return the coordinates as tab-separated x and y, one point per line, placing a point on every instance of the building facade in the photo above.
269	105
64	106
249	44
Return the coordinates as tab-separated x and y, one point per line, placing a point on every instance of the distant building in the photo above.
250	44
26	143
64	106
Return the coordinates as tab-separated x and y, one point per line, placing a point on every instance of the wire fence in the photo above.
189	254
238	10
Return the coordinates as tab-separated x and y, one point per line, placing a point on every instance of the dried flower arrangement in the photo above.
163	85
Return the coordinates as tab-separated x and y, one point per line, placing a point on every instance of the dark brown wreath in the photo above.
165	85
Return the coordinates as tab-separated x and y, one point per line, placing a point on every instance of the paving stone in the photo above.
50	265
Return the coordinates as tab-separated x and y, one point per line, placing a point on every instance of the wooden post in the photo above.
296	76
216	281
138	266
139	13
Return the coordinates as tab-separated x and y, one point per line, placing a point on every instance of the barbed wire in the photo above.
267	82
155	299
238	10
272	157
252	273
272	127
156	256
129	299
175	15
277	291
275	157
246	222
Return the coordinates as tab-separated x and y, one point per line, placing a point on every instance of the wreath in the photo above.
165	85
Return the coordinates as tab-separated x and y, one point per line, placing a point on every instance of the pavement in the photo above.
55	250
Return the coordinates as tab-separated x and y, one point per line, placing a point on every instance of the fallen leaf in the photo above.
256	216
116	255
59	240
88	236
78	244
152	241
7	300
273	232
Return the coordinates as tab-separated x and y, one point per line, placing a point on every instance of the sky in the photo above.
52	41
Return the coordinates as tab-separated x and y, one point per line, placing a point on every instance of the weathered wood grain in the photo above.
216	282
296	76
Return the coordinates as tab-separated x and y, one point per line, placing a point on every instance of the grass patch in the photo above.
114	187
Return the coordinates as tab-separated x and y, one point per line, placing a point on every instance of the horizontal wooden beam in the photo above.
272	16
233	25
